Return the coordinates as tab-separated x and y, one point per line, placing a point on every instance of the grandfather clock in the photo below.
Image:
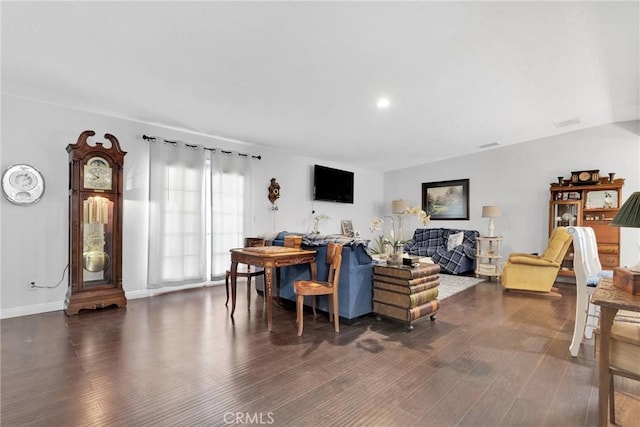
95	224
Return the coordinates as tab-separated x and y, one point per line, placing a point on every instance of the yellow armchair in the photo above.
536	273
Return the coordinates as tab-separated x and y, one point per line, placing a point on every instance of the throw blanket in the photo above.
269	236
359	246
323	239
319	239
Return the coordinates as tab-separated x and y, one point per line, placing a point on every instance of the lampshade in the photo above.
629	213
490	212
629	216
398	206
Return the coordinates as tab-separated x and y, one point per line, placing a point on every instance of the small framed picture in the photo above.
347	227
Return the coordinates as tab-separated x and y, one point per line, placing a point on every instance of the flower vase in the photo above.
395	258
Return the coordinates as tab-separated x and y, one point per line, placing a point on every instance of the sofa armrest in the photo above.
420	250
523	254
532	260
469	250
454	261
410	244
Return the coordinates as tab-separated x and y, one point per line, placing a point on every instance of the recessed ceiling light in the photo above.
383	103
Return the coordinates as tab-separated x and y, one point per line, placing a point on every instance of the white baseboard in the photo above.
142	293
167	289
31	309
59	305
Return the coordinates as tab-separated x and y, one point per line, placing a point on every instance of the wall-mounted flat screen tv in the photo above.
332	185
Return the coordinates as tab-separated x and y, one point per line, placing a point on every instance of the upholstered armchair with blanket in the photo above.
536	273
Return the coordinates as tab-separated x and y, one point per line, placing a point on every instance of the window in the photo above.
199	208
176	221
226	221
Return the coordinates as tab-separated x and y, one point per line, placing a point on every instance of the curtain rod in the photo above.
154	139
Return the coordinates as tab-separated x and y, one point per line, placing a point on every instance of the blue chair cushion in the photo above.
592	281
607	274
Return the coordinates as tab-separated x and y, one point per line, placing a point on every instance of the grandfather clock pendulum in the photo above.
95	224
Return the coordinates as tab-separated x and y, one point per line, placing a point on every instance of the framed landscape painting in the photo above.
446	200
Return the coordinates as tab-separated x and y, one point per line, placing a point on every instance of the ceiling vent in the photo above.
570	122
492	144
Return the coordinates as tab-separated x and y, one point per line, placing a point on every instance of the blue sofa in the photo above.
432	242
355	292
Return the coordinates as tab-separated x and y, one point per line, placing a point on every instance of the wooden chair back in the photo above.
334	259
313	288
252	242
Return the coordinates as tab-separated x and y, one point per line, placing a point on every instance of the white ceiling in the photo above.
304	76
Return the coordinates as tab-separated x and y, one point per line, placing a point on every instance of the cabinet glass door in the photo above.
97	225
566	214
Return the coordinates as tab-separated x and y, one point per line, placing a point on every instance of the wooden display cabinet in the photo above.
594	206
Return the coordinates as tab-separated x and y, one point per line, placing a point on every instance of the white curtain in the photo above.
231	209
177	242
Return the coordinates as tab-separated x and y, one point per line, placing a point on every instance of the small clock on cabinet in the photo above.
95	224
587	177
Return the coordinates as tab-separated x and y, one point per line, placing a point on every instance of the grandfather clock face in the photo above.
98	174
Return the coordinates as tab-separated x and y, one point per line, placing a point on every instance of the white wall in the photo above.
34	243
517	178
295	205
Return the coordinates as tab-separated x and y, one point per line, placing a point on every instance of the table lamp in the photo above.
628	216
398	206
491	212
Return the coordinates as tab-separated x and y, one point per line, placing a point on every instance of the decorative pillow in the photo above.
455	240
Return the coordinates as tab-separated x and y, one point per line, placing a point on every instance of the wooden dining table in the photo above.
610	299
270	258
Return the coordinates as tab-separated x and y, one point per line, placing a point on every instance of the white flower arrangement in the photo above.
395	239
317	219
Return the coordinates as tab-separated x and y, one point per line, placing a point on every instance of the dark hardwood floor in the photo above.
490	359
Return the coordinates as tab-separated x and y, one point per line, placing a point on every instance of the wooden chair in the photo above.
624	358
304	288
246	271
